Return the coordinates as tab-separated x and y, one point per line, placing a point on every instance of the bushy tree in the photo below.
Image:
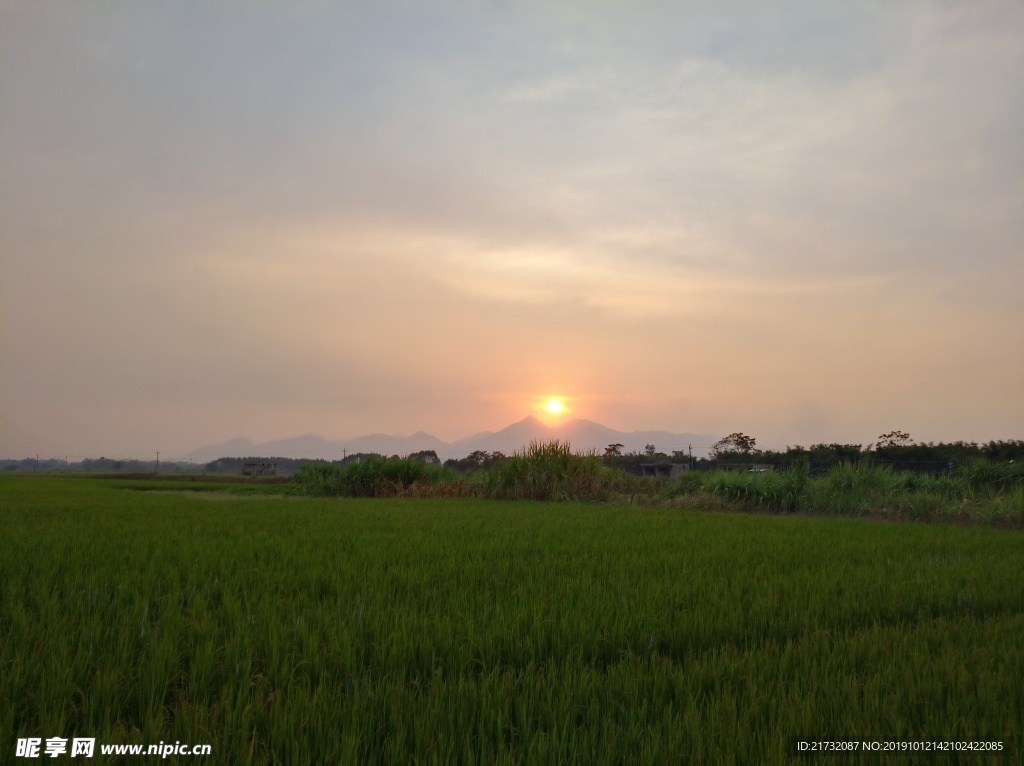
427	456
894	439
476	461
1003	450
734	444
613	454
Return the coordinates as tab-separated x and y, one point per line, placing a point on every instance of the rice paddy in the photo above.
283	629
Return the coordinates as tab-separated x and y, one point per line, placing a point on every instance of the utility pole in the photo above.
691	456
36	466
157	470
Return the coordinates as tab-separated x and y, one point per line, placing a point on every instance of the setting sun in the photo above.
554	406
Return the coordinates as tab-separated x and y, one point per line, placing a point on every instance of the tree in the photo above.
613	450
649	450
894	439
427	456
475	461
734	444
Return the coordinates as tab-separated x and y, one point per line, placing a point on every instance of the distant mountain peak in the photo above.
582	435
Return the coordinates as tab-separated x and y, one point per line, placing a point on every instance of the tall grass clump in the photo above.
982	475
773	491
982	491
373	476
551	471
985	492
856	489
321	479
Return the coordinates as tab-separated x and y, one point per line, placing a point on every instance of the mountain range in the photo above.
583	435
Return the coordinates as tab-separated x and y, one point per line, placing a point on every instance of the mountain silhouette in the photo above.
582	435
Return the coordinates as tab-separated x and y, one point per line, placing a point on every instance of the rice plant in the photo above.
329	630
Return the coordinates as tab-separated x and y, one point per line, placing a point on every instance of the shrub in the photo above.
373	476
990	475
980	491
321	479
551	471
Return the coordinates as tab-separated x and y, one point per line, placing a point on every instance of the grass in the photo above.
983	492
551	471
373	476
980	493
305	630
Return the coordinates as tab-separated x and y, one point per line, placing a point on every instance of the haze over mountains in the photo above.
583	435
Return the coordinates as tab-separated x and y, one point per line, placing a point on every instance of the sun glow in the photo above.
554	406
553	409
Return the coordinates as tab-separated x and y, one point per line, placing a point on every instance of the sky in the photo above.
799	220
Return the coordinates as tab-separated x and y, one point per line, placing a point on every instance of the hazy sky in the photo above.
800	220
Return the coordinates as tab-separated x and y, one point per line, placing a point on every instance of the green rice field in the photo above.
295	630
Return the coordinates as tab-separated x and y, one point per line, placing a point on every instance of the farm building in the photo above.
663	468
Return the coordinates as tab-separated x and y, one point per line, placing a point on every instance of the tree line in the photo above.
736	450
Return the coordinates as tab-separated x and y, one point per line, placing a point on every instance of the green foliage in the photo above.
551	471
981	492
1002	451
476	461
981	475
304	630
427	456
321	479
905	454
772	491
371	476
